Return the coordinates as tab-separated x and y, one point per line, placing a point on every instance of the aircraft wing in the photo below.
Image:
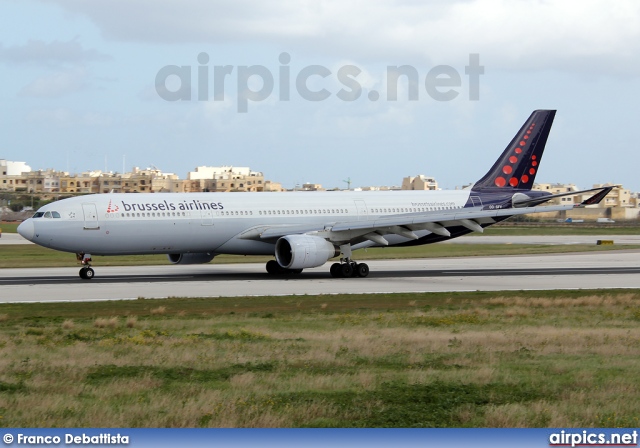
406	224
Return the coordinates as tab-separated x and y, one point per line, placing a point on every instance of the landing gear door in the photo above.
90	216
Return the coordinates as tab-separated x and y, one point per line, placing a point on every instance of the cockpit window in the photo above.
47	215
38	215
55	214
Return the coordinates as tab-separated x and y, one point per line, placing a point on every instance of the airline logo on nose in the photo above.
112	208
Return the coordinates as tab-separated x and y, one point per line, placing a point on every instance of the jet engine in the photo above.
191	258
304	251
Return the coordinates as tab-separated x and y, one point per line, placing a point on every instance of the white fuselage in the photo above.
167	223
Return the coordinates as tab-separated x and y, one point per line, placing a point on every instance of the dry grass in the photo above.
563	361
158	311
131	321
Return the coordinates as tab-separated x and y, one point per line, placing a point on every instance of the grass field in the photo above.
530	359
9	227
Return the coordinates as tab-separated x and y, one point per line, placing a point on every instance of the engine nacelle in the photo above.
304	251
191	258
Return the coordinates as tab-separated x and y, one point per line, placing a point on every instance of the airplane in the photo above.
302	230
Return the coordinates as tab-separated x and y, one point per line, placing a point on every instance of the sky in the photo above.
320	91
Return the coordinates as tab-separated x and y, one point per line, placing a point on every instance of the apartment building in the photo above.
620	203
11	175
618	197
227	179
419	182
87	182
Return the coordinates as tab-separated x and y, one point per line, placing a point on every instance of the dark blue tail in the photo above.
518	165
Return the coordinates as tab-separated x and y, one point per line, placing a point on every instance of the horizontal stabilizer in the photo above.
596	198
522	200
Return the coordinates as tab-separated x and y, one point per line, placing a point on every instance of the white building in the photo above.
219	172
8	168
420	182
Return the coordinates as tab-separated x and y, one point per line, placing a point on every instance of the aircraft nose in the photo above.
27	229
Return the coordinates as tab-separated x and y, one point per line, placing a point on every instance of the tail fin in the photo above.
518	165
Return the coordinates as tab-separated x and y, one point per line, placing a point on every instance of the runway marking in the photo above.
216	276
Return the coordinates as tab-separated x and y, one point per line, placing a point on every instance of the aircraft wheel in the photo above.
362	270
335	270
346	270
86	273
273	267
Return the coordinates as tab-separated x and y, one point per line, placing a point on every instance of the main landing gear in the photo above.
86	273
347	267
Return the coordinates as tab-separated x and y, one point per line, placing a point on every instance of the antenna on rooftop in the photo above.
348	182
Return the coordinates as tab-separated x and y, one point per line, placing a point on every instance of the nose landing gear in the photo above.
86	273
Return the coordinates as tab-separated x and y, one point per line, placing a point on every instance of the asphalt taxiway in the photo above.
615	269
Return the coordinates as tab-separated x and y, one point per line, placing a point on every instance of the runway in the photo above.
616	269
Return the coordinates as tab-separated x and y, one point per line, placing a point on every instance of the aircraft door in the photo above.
207	217
90	216
361	206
